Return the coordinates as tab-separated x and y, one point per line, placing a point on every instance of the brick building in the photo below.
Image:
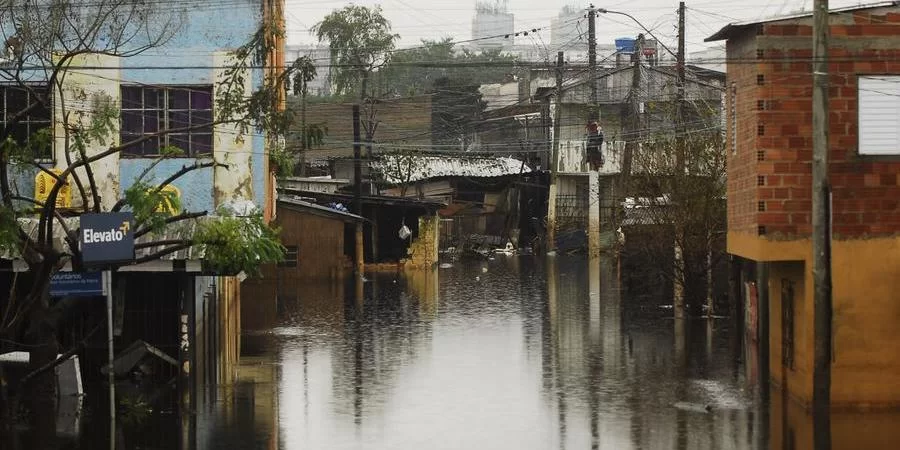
769	134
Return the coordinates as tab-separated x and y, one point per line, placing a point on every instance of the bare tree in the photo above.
47	42
683	210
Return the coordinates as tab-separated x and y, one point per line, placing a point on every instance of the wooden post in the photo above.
554	162
360	251
822	307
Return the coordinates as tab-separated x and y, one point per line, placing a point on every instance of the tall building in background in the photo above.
568	30
492	24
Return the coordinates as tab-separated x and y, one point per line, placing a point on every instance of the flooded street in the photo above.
513	353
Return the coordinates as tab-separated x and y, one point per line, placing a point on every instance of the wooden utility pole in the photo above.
679	99
554	157
680	231
593	113
357	190
632	114
822	307
357	164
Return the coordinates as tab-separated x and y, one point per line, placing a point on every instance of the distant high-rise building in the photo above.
568	30
492	24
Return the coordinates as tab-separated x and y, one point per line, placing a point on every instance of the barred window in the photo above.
16	99
147	110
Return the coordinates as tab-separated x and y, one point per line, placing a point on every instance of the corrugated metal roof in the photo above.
396	169
296	202
180	230
728	30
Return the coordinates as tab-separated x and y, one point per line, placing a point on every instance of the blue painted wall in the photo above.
187	59
208	29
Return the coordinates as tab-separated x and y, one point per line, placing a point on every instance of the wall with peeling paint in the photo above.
196	55
423	250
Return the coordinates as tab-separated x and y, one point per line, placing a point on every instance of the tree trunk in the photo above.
40	391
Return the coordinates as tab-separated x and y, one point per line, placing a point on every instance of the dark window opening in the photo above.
149	110
16	99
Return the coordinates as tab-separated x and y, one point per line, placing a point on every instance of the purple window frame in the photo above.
147	110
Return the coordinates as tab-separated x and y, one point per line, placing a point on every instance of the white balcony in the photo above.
573	157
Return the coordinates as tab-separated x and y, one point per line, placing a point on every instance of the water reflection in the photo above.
512	353
518	353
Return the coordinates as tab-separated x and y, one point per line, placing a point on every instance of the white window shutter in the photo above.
879	115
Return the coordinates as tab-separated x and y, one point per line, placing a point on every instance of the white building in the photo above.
492	24
569	29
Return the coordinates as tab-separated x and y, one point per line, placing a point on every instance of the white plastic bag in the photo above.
404	232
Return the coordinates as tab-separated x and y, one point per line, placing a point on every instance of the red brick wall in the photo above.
740	100
778	151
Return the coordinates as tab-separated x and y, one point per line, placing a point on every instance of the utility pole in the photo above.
357	164
631	114
554	157
821	239
593	113
357	190
678	297
679	99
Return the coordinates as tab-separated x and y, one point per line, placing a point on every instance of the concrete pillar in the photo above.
678	280
594	214
360	252
551	217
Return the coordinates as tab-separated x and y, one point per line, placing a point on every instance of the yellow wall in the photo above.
423	251
866	299
792	427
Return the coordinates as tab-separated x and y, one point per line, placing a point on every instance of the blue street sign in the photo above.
74	284
107	238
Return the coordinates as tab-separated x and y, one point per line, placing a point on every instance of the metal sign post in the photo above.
107	239
108	292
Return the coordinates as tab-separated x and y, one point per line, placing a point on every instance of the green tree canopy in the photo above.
360	41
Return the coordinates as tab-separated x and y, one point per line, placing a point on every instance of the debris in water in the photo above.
693	407
446	265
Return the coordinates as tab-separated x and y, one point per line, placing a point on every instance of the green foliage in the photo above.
257	110
133	410
150	205
283	160
239	244
424	69
304	71
360	40
9	231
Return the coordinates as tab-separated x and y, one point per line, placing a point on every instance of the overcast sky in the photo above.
415	20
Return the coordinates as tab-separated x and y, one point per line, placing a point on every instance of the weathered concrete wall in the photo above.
423	251
594	243
86	91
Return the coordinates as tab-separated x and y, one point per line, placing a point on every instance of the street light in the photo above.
658	41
